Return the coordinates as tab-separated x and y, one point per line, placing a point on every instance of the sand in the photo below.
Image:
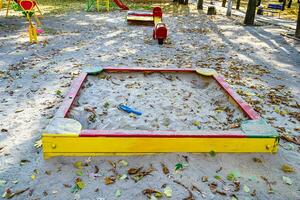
255	61
168	101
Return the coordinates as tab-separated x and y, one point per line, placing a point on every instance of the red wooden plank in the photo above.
70	97
162	134
127	69
252	114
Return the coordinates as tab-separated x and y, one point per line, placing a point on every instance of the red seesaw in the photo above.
160	31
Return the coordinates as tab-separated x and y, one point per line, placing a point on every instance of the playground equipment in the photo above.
28	7
121	5
26	4
160	31
104	3
59	137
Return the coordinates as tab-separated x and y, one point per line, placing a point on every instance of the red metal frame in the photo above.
77	83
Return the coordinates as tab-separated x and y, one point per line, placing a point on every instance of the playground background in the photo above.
60	6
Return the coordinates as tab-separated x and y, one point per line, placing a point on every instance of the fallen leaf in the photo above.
78	165
67	186
230	177
132	171
287	180
96	171
165	168
213	187
123	177
8	194
79	173
109	180
38	144
118	193
152	192
80	184
246	189
30	192
196	123
123	162
178	166
257	160
204	178
212	153
24	161
48	172
287	169
168	192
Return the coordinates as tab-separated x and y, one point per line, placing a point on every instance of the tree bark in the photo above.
250	13
238	3
283	5
229	5
200	5
223	3
297	34
290	4
211	10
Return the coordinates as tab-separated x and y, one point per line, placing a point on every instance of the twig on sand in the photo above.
191	196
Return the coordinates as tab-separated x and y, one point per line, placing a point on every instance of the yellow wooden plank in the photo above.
78	146
140	18
157	20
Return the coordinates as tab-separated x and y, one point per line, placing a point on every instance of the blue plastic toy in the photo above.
128	110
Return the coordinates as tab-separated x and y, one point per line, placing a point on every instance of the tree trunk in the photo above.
250	13
297	34
200	5
229	5
223	3
283	5
211	10
290	4
238	3
258	3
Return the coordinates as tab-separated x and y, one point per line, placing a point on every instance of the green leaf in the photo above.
196	123
79	172
123	177
80	185
123	162
58	92
78	165
178	166
246	188
217	177
168	192
75	189
118	193
230	177
212	153
287	180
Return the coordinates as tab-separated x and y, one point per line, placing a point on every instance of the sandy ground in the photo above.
167	101
257	61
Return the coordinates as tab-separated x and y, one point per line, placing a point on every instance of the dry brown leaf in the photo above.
132	171
204	178
148	192
213	187
287	168
96	169
165	168
109	180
